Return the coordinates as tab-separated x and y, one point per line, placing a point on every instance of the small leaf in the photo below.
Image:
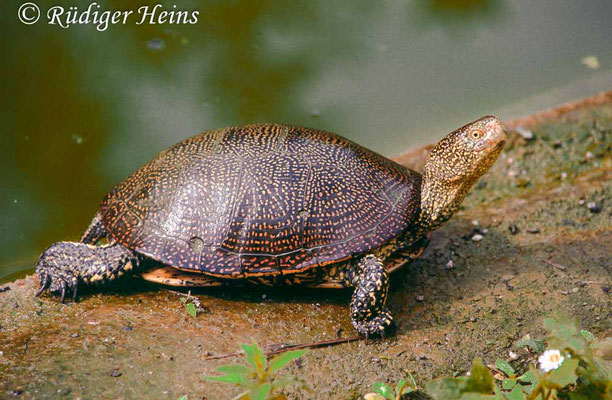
527	377
384	390
183	397
535	345
516	394
183	299
234	369
505	367
413	385
481	380
399	388
228	378
588	336
283	359
565	374
260	392
255	357
508	384
191	309
445	388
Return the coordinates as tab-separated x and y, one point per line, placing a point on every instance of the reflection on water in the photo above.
81	108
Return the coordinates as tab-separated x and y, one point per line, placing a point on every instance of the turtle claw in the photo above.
74	293
63	292
43	285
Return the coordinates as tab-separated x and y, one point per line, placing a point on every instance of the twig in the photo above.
558	266
281	348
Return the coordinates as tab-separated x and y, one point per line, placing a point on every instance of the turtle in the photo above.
275	204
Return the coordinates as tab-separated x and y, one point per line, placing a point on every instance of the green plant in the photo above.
581	375
192	304
383	391
571	371
259	377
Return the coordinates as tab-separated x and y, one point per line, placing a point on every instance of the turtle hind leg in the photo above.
95	231
369	315
64	266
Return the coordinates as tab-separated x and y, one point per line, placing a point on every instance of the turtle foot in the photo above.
64	266
56	276
380	326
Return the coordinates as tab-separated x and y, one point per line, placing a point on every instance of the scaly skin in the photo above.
65	265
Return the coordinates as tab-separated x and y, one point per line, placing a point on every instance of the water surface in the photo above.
81	109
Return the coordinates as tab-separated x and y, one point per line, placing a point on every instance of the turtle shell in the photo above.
263	199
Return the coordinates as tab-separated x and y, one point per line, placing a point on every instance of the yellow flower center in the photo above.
555	358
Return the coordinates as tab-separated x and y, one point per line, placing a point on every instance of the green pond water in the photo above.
82	108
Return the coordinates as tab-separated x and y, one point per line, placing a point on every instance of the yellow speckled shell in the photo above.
261	200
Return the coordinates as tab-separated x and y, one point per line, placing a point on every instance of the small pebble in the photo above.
513	229
75	335
568	222
593	207
605	288
127	328
557	144
477	237
420	298
512	355
592	62
475	222
575	290
581	202
76	139
115	373
156	44
525	133
563	175
450	264
533	230
589	155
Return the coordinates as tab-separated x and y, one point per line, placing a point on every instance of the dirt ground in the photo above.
543	213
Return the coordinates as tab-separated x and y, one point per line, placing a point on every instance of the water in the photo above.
81	109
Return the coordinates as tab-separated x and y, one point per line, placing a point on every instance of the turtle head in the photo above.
455	164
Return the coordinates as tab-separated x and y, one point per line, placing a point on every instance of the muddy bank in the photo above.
543	214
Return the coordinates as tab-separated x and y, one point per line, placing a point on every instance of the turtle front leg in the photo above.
369	315
66	265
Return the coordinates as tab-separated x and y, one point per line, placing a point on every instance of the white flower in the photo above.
550	359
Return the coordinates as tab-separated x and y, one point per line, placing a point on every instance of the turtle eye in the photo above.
476	133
